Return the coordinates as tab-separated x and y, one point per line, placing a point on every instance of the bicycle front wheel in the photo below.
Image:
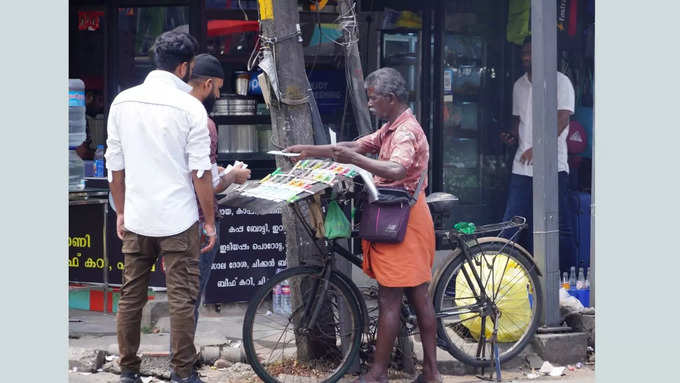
282	345
511	283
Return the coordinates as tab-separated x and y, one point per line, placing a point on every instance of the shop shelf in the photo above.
242	120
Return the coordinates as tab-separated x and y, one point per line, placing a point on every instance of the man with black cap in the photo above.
206	80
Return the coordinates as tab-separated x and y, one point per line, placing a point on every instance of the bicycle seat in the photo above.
441	203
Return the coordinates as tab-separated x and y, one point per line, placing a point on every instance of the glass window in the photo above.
138	28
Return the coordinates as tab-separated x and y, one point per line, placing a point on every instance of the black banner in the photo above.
85	247
252	248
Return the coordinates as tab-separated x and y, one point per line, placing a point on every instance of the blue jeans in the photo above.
204	265
520	202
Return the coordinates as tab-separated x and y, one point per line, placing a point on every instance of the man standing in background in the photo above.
520	197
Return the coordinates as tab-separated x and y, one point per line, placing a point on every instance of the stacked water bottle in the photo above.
281	297
578	286
76	133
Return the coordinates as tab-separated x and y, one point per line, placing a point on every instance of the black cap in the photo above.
206	65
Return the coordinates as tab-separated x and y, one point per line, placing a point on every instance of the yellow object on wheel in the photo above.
513	298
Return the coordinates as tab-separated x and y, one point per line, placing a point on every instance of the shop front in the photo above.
460	59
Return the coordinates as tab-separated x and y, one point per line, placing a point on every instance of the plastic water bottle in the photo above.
572	278
581	281
276	296
587	286
76	171
76	112
565	280
276	299
76	132
285	298
99	170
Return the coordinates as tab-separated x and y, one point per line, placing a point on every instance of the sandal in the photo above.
421	379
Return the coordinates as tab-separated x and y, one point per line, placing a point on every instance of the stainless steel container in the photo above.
241	80
237	138
223	139
234	105
243	138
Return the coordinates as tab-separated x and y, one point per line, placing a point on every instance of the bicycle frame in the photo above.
455	240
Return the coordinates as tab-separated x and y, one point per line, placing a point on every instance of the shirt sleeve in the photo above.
565	94
515	99
370	144
114	150
212	130
403	149
198	142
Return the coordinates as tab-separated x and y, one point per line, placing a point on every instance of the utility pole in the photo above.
295	120
353	70
545	192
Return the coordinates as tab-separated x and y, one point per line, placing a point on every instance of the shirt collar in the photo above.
405	115
166	78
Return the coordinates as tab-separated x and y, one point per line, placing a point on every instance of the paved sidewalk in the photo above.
90	331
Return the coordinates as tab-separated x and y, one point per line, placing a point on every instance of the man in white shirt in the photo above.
158	155
520	201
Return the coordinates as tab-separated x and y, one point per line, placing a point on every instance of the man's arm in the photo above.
238	175
562	120
204	192
385	169
117	186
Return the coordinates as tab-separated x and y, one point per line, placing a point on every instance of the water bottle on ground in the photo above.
581	281
99	170
572	278
276	299
565	280
285	298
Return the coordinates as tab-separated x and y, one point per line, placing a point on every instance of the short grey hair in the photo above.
388	80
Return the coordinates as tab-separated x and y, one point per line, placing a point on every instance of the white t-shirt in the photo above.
521	106
158	134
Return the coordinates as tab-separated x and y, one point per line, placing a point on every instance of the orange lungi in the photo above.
405	264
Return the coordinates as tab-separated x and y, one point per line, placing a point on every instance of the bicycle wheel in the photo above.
281	346
511	282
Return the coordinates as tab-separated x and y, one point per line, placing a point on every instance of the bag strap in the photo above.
414	198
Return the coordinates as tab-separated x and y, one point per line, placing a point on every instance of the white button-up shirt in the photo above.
521	106
158	134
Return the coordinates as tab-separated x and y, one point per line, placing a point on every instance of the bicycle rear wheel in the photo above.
511	282
280	347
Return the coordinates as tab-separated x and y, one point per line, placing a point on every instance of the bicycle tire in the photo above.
328	367
453	333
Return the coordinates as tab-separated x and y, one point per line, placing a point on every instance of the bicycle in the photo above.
319	337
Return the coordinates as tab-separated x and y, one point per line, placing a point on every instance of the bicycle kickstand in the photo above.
495	356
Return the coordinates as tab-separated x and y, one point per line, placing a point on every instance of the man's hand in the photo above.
297	149
241	175
343	155
120	226
508	138
210	232
527	157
